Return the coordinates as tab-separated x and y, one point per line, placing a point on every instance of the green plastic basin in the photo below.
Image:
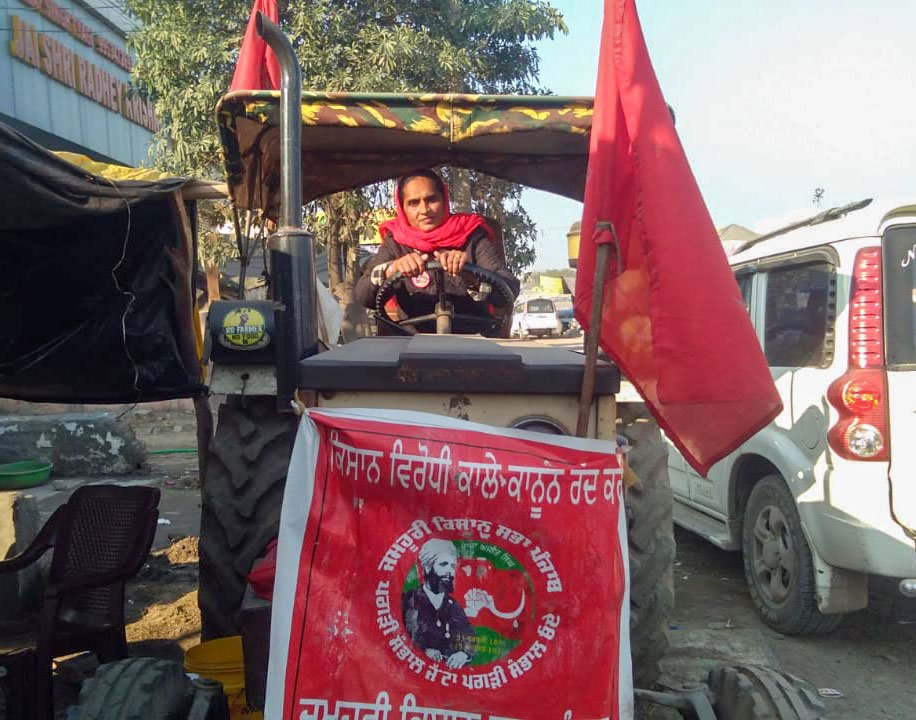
24	474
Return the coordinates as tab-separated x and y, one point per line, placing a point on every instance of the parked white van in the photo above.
825	495
536	317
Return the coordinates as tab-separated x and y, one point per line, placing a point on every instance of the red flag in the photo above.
673	318
257	67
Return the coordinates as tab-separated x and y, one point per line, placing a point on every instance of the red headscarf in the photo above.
453	233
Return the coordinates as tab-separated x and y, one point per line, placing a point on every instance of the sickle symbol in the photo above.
476	599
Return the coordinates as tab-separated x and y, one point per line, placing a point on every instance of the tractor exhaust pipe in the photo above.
292	253
290	122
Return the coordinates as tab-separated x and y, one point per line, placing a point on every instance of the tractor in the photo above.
285	149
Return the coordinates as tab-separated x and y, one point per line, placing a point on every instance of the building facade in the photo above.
65	79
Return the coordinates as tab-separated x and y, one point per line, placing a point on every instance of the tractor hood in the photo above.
351	140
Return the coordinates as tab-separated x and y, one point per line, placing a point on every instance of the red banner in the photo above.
436	568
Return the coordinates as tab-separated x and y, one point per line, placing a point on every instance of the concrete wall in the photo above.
76	444
19	524
21	407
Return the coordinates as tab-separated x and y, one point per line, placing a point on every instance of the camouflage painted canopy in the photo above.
350	140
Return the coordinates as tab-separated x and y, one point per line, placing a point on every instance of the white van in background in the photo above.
825	495
566	314
535	317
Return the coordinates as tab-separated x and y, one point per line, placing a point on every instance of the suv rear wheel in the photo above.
777	562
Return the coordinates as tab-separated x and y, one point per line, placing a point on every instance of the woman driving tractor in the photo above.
425	231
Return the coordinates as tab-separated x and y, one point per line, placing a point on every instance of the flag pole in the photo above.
587	391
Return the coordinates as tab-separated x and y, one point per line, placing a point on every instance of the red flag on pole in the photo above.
257	67
673	318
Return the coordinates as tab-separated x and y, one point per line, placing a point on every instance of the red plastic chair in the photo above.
100	537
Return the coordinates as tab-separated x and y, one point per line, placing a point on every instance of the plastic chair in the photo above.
100	537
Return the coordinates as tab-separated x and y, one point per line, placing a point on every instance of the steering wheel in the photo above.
444	315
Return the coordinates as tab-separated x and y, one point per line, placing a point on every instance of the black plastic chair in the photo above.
100	537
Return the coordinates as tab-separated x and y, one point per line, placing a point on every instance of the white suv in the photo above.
536	317
826	494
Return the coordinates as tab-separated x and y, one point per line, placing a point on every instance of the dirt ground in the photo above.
869	659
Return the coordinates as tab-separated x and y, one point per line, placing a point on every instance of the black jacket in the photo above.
447	629
415	301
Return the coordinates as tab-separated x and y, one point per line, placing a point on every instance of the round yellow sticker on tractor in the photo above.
244	328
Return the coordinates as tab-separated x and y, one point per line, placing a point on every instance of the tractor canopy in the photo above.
350	140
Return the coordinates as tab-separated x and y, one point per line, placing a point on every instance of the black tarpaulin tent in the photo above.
95	282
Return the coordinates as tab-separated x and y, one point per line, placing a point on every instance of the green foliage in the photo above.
213	248
500	202
185	56
186	53
342	221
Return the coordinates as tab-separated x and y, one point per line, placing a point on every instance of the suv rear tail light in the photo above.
860	394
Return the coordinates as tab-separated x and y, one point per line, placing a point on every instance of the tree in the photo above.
186	53
564	272
500	202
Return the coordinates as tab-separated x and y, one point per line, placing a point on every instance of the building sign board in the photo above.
65	79
68	67
81	31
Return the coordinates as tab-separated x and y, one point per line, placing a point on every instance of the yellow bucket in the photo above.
222	660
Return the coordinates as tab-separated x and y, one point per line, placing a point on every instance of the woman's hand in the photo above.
411	265
452	261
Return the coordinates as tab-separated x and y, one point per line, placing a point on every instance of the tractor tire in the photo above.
240	503
651	542
748	692
136	689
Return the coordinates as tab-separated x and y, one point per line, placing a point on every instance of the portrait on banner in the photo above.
434	620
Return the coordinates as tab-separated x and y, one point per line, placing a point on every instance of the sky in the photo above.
773	99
